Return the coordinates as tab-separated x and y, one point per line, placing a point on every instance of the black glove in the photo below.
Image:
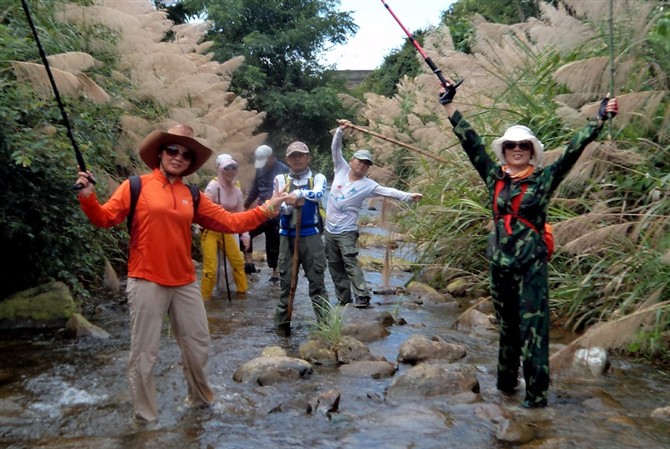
603	113
448	95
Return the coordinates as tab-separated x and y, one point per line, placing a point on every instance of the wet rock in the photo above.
435	379
590	362
419	348
491	412
661	413
474	321
277	375
485	306
514	431
351	350
621	420
79	327
318	351
426	293
374	369
45	306
458	287
386	319
272	370
273	351
549	443
326	403
366	332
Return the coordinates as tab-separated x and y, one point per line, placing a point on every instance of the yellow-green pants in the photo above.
208	242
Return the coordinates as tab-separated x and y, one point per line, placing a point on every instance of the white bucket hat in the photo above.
519	133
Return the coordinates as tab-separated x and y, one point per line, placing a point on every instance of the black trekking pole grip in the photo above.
446	84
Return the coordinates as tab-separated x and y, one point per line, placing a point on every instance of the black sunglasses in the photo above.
173	151
523	146
230	167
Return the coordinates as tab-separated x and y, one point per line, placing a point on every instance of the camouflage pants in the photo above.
521	302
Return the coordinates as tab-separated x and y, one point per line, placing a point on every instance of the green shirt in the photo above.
523	245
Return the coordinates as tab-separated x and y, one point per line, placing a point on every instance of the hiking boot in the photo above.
283	330
508	388
362	303
249	268
274	280
534	404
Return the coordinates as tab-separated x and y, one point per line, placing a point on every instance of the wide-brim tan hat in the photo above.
519	133
153	143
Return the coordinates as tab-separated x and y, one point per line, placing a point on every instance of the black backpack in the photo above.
136	187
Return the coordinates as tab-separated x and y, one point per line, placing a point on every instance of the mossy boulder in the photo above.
45	306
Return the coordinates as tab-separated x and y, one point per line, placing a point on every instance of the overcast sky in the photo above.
379	33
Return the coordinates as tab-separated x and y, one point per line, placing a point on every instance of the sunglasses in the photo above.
230	167
523	146
173	151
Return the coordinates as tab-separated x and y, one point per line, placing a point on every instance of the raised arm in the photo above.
583	137
470	141
336	146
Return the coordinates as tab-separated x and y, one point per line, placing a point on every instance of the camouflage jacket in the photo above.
523	245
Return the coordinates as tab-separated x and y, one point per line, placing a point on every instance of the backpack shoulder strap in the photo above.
500	184
195	193
135	189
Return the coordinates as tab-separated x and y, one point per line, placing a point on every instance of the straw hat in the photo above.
518	133
180	134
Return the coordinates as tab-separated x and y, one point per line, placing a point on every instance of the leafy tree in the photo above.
399	63
281	41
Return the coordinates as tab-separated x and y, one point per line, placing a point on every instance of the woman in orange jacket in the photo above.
161	275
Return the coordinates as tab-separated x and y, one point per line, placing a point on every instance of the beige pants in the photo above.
148	303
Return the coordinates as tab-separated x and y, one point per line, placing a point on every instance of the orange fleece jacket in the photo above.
160	245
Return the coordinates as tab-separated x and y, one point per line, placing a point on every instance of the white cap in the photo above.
261	155
363	155
518	133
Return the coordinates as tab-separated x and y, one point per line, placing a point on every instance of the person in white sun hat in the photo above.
520	189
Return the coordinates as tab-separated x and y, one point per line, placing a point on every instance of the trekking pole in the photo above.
611	36
294	269
222	261
397	142
446	84
77	153
222	252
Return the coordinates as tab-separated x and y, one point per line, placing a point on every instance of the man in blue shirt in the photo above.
267	168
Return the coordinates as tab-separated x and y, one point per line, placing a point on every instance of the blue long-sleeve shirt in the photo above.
263	184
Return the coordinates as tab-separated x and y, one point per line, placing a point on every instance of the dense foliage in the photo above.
281	41
44	234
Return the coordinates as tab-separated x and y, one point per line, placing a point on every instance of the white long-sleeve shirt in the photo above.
346	197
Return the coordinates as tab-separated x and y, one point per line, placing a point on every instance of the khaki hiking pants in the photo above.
148	303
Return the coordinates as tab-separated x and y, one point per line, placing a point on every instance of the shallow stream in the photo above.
62	393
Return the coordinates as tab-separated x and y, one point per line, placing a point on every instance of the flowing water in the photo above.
62	393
